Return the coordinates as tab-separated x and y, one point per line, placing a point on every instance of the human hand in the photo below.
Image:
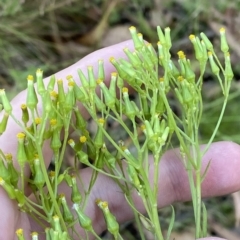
221	177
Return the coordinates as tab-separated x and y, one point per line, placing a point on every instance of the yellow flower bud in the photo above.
84	220
21	152
207	42
40	83
61	93
101	74
32	99
67	215
20	234
38	179
161	36
8	188
83	139
112	224
92	82
57	226
168	37
6	104
224	44
25	115
214	67
3	123
138	44
51	83
75	195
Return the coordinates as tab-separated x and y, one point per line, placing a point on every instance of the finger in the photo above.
222	178
92	60
8	140
11	218
173	184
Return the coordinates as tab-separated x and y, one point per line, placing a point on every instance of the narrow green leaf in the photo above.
170	227
205	171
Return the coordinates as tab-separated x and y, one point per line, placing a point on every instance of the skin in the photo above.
222	177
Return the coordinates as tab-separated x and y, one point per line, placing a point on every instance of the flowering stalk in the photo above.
102	151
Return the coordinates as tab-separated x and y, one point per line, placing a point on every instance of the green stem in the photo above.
198	203
32	209
94	233
49	187
218	123
152	201
22	127
66	134
135	212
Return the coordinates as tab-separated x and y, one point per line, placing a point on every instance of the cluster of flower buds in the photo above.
153	110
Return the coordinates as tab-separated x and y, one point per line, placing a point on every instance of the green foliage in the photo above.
152	116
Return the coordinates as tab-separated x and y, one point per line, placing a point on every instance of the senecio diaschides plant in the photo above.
151	116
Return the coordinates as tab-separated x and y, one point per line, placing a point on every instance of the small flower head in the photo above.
19	232
30	78
101	121
210	53
99	81
125	90
140	36
62	196
98	200
222	30
21	135
143	127
37	120
181	55
39	72
23	106
59	81
51	174
114	74
56	218
8	157
104	205
112	59
83	139
53	122
138	43
71	143
69	77
53	95
180	78
192	37
71	84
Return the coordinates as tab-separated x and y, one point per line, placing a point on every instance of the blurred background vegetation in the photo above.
53	34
